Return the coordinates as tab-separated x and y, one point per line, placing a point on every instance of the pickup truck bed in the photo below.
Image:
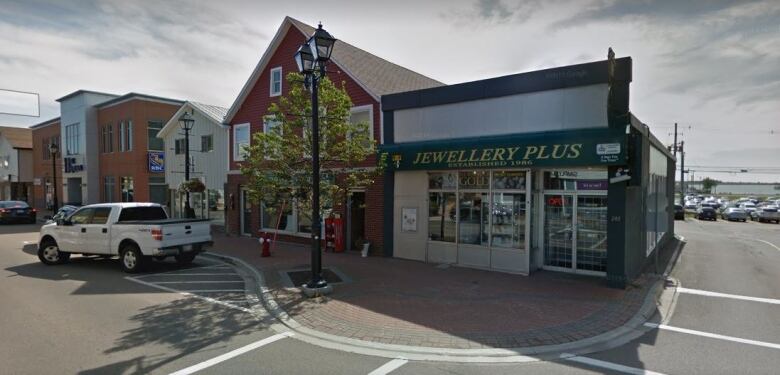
161	222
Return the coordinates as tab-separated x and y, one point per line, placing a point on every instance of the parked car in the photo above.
706	213
690	205
679	212
734	214
62	213
17	212
134	231
766	214
749	207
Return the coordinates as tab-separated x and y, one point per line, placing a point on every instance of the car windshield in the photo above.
13	204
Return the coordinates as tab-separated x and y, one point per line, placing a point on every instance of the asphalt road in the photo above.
88	317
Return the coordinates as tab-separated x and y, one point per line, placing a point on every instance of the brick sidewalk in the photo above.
404	302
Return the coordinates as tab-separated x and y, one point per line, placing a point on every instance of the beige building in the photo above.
16	163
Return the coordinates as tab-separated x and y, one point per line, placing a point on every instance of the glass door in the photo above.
559	234
246	213
591	233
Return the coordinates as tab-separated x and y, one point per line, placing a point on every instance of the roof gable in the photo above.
375	75
17	137
214	113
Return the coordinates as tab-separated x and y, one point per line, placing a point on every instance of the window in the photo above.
206	143
129	137
274	218
108	189
364	115
127	189
81	216
72	139
441	216
179	146
154	143
107	138
122	134
270	124
241	140
46	143
100	215
143	213
276	81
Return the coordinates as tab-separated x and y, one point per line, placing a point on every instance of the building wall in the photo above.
25	165
562	109
80	109
42	168
8	173
255	108
211	166
133	163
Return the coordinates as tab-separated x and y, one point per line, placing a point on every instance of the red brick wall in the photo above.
132	163
42	167
255	108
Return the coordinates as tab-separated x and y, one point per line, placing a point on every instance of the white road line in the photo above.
725	295
232	354
768	243
389	367
608	365
199	282
189	294
713	335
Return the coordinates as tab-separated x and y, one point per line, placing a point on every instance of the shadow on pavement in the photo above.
175	330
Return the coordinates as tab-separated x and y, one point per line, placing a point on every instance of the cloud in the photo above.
494	12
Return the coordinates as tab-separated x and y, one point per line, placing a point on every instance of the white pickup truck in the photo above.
134	231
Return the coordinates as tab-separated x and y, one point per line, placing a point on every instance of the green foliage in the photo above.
707	184
278	163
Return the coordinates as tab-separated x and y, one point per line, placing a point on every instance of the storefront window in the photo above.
446	181
280	217
441	216
509	217
576	179
509	180
473	179
216	206
473	220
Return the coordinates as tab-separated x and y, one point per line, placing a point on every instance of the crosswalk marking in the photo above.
389	367
725	295
714	335
608	365
232	354
200	282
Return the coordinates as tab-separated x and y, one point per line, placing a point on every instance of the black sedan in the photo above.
17	212
706	213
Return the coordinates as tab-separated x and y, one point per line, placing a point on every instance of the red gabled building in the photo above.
366	78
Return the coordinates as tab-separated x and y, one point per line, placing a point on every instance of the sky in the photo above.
713	66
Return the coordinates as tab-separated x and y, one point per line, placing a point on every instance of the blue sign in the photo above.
71	166
156	161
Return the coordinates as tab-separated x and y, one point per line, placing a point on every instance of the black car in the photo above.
679	212
706	213
17	212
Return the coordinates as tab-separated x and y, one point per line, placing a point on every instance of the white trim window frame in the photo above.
269	124
364	108
275	74
237	154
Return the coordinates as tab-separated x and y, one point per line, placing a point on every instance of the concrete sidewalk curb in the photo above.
652	305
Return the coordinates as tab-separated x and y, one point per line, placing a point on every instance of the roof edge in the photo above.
135	95
45	123
77	92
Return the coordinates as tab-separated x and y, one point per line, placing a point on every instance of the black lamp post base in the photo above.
320	288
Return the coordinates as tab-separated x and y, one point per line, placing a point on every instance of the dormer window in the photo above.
276	81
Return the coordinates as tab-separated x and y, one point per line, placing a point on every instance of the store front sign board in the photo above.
560	149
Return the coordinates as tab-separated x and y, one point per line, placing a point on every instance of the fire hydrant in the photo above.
265	243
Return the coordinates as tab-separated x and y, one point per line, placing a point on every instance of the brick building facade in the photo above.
126	134
43	135
365	78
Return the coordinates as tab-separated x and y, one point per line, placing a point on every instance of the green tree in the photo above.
278	165
708	184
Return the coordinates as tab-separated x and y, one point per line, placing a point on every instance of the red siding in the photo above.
255	108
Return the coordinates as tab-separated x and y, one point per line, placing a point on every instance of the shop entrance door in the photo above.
575	233
356	219
246	213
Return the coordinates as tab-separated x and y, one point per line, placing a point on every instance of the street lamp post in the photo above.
311	58
186	121
53	149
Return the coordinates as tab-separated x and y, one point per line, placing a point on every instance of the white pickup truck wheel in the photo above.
49	254
131	259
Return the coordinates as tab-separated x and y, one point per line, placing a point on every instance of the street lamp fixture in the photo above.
53	150
186	122
311	58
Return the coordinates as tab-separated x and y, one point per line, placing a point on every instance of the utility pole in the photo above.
682	192
682	171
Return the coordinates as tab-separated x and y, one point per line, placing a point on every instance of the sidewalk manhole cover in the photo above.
300	277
